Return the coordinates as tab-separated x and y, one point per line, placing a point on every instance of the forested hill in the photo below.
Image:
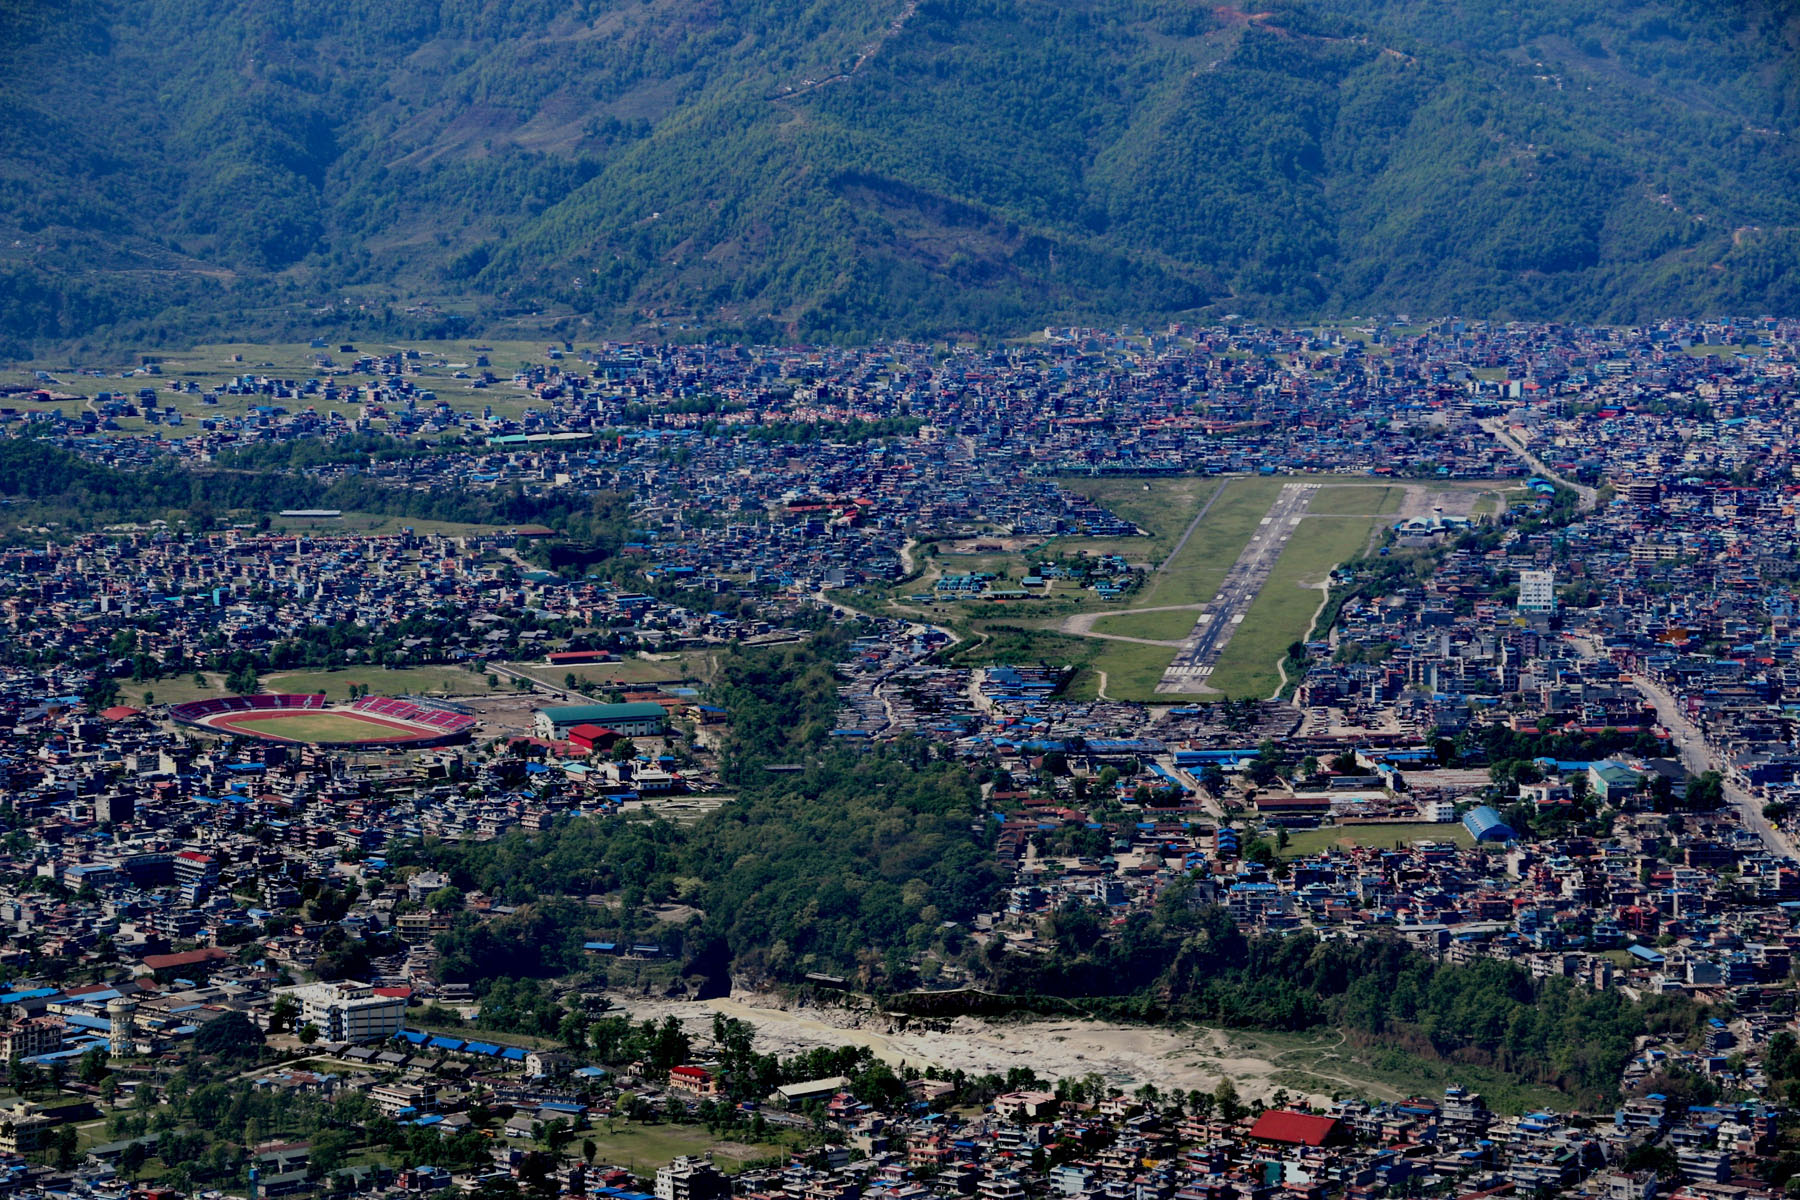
829	168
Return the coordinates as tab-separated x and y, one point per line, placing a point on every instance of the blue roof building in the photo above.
1485	825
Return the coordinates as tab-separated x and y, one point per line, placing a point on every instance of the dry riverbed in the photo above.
1126	1055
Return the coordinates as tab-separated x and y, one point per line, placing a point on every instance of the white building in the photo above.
1537	591
691	1179
1438	810
348	1012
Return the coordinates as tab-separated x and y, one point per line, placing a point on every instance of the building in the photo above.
1537	591
121	1016
196	874
793	1095
1610	782
1034	1105
22	1128
31	1037
1485	825
395	1098
348	1012
540	1063
695	1081
641	718
691	1179
1284	1127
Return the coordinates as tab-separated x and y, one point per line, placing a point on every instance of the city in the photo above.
397	811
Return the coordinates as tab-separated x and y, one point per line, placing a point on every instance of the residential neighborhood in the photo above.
1540	721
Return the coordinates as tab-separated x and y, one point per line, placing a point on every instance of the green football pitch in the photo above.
317	727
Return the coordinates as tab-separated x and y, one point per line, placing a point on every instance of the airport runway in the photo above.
1200	651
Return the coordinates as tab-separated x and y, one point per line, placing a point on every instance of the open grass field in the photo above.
1132	669
372	525
694	666
1001	641
1706	348
1328	1062
1194	575
1283	611
212	366
1161	506
1303	843
316	727
406	681
1168	625
1357	500
177	689
643	1148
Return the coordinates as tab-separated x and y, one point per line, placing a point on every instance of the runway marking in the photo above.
1244	580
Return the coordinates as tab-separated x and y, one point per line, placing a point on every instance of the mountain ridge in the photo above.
813	168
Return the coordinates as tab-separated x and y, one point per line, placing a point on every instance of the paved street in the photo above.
1697	757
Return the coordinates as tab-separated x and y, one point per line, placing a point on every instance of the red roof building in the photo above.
186	960
696	1081
593	737
1296	1129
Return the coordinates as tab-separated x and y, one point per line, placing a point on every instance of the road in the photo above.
1698	758
506	672
878	685
1216	625
1497	427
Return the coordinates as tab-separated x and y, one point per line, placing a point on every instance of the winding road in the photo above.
1496	426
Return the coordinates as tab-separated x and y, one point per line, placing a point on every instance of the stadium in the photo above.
376	722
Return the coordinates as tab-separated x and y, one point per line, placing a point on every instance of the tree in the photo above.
1265	768
25	1077
93	1067
445	899
282	1014
233	1035
1226	1097
330	1150
309	1033
1706	792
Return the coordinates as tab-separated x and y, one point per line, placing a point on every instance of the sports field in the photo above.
335	683
317	727
1306	842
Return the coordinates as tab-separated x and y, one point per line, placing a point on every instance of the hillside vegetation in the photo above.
838	170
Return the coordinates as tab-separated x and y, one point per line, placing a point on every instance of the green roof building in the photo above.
637	719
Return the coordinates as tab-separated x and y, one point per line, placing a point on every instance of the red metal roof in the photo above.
1296	1129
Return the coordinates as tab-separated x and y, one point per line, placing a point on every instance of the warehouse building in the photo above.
638	719
1485	825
